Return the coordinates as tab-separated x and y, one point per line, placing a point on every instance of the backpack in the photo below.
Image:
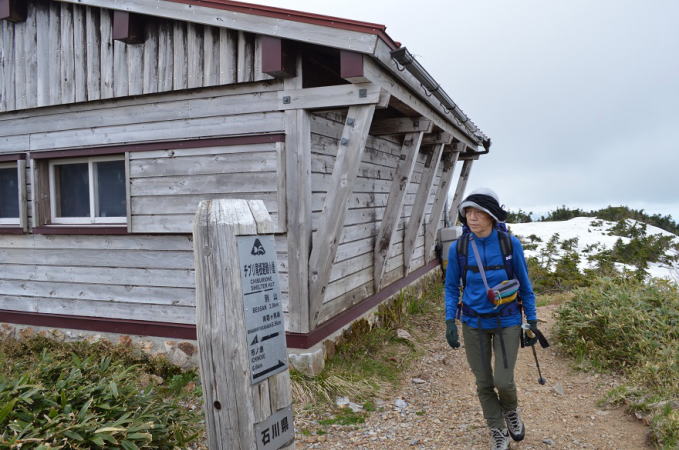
506	247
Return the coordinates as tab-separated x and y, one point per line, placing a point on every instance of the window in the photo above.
10	202
88	190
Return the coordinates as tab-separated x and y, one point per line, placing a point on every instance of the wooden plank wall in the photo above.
351	279
167	185
64	53
126	277
147	275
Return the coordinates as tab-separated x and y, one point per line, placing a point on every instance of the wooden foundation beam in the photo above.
324	248
278	57
400	125
128	27
13	10
392	213
459	190
431	226
417	213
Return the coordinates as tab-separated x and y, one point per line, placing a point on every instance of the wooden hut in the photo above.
118	116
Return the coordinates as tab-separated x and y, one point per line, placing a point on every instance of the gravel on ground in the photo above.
441	410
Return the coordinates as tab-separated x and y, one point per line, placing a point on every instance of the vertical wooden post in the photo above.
298	207
245	406
459	191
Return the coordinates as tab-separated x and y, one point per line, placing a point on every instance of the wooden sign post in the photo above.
239	318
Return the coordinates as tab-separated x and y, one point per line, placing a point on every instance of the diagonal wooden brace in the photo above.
392	213
417	213
440	201
324	248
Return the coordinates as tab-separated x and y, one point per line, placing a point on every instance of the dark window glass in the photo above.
111	189
73	184
9	193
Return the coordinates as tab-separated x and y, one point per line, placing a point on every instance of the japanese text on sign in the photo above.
263	310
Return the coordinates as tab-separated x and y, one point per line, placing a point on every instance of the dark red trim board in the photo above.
11	230
167	145
101	324
12	157
188	331
82	229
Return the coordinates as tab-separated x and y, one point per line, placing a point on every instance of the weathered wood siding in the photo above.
143	275
351	279
64	53
167	185
132	277
124	277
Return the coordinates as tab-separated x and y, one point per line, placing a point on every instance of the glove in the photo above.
451	334
529	341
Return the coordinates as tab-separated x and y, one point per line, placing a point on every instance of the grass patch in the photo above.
80	396
632	328
555	298
370	360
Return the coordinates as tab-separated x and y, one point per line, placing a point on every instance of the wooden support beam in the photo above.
469	156
400	125
349	154
128	27
431	226
278	57
13	10
298	207
376	74
437	138
330	97
351	67
207	14
459	190
392	213
449	123
417	212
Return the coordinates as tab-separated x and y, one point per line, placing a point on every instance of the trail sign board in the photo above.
276	430
262	302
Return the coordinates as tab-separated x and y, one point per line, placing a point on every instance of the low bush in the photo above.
52	396
631	327
614	214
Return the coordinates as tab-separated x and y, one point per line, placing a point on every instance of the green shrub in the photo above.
52	399
519	216
614	214
631	327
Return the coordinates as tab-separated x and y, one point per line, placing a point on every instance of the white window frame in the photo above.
93	191
20	179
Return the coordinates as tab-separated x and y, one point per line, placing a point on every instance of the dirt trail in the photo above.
444	412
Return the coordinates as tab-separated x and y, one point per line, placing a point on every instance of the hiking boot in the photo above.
499	439
514	424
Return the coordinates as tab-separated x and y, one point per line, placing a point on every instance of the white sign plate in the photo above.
262	301
276	431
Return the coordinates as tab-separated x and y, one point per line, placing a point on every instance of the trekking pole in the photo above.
531	335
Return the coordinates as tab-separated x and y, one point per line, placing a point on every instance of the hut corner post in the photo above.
241	338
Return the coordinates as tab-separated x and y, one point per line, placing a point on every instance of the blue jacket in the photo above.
474	295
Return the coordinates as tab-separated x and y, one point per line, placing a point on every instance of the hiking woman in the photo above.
491	317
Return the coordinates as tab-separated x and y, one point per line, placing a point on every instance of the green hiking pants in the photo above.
478	344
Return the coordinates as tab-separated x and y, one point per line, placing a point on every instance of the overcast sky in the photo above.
580	97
